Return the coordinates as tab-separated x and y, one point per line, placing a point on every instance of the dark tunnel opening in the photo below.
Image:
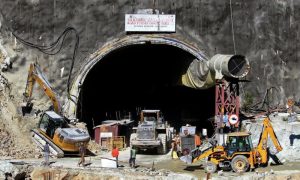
144	77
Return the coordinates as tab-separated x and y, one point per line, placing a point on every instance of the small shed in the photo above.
112	132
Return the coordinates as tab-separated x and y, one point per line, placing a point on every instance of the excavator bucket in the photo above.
26	108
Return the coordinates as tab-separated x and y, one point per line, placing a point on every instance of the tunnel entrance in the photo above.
144	76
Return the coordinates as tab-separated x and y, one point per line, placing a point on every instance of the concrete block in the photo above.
110	163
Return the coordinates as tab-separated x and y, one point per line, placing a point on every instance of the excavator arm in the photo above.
262	144
36	75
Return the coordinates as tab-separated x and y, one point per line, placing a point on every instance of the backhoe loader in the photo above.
239	154
52	127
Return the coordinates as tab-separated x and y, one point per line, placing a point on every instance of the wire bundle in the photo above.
55	48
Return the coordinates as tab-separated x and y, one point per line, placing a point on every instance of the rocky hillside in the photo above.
267	32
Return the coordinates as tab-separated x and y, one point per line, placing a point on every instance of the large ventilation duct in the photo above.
232	66
203	74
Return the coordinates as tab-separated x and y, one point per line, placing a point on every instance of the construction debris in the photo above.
8	147
11	132
286	134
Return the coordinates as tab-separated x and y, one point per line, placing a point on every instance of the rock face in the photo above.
267	32
288	134
9	170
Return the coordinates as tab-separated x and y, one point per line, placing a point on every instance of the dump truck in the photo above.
152	132
53	128
238	153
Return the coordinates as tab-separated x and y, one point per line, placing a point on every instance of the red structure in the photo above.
227	98
116	130
105	129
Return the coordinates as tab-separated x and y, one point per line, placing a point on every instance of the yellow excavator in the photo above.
52	127
36	75
239	154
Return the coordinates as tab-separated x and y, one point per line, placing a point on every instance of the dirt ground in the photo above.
164	168
198	170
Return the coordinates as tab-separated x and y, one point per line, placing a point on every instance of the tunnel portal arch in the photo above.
174	40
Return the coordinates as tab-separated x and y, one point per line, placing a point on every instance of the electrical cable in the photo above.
232	28
233	39
47	49
52	47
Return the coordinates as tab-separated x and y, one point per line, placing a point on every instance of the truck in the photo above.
152	132
238	153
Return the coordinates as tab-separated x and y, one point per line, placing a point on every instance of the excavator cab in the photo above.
50	121
238	142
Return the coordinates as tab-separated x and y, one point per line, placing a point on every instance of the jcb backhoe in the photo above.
239	154
52	127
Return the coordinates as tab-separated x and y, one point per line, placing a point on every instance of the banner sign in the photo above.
106	134
150	23
191	130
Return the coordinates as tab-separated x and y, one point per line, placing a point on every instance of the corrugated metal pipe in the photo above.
203	74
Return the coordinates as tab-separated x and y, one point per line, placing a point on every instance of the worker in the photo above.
115	154
226	120
178	145
175	147
197	140
242	144
82	154
46	154
132	157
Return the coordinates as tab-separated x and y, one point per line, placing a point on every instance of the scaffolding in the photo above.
226	102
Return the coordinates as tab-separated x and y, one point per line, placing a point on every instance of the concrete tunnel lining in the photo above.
132	41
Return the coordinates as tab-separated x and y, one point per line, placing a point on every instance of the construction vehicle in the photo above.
152	132
238	153
53	128
36	75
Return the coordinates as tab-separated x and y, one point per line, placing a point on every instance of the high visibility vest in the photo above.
197	140
115	152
